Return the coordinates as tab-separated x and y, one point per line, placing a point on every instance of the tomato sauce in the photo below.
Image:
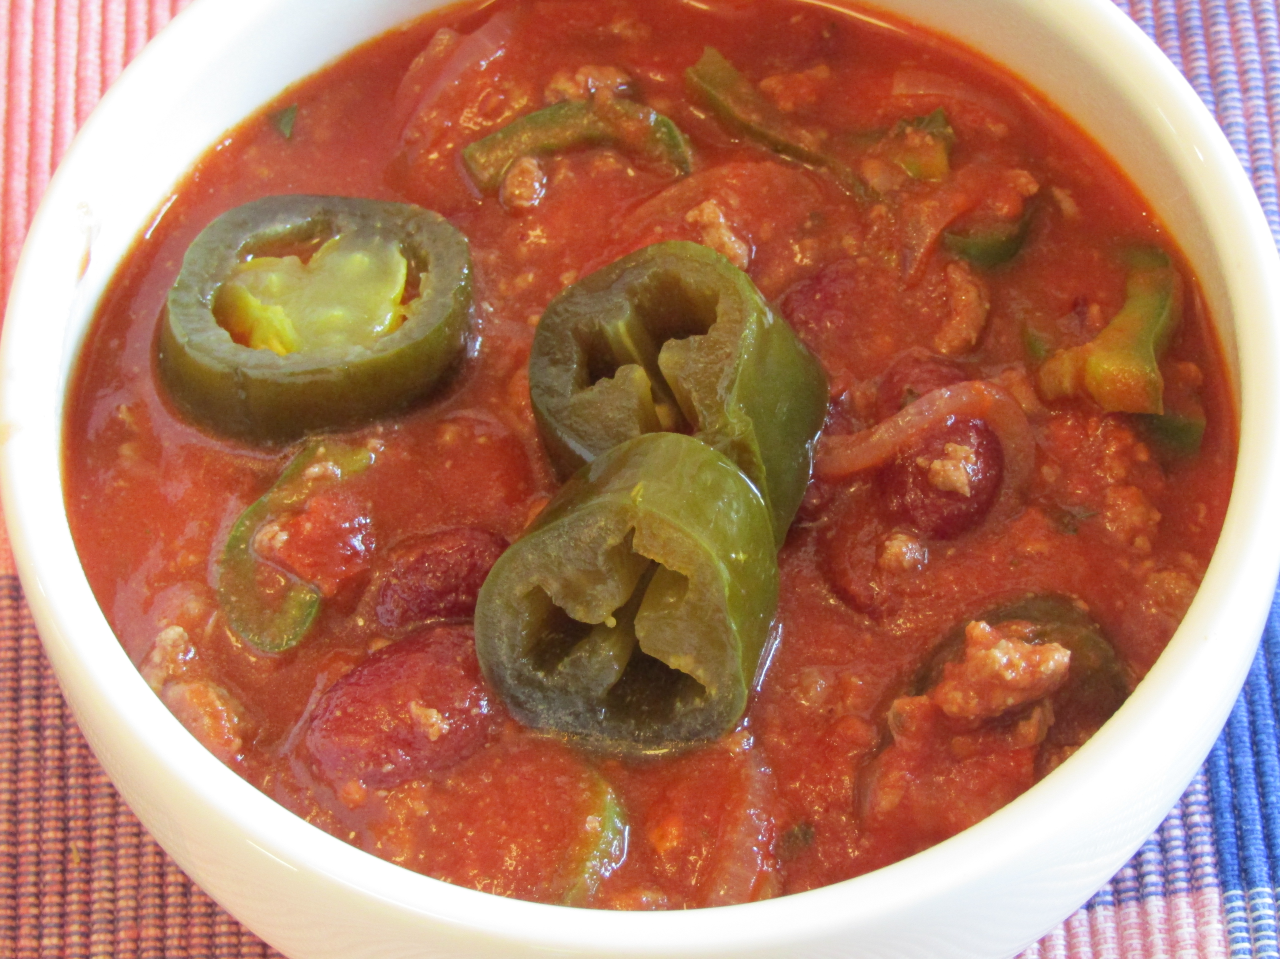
379	727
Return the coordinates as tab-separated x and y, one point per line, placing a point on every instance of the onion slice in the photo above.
454	57
909	82
843	456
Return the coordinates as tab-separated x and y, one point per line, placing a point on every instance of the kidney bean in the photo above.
435	576
945	483
911	375
412	709
849	547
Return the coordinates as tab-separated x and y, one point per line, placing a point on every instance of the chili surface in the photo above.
989	557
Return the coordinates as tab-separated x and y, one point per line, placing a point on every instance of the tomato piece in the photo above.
327	544
940	777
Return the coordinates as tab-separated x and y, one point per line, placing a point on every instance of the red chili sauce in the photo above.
379	727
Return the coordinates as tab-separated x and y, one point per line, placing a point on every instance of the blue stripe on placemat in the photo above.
1238	77
1224	823
1244	770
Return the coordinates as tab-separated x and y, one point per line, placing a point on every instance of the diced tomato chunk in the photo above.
327	544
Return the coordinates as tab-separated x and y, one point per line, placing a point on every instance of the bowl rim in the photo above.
104	683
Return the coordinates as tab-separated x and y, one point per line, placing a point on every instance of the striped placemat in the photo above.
80	877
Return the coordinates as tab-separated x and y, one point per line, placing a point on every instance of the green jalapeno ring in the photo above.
674	336
1097	682
275	625
634	610
259	395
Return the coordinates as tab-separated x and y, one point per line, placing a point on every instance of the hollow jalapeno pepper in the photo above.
259	344
1120	367
637	129
268	607
634	610
674	337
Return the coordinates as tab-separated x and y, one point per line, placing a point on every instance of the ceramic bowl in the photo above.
989	891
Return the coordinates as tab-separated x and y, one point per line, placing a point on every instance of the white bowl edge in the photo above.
247	864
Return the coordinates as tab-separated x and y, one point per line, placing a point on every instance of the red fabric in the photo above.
78	874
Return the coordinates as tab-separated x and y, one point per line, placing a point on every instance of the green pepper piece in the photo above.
989	245
742	107
264	605
575	125
1119	368
259	394
663	516
602	848
674	336
1175	434
1035	343
922	146
1096	683
735	101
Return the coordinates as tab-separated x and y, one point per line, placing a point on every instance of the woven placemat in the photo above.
80	877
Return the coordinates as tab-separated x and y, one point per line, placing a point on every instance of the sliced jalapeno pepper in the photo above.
1119	368
989	245
1096	682
741	106
574	125
675	337
266	606
341	357
634	610
602	846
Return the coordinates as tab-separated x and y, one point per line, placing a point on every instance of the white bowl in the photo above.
989	891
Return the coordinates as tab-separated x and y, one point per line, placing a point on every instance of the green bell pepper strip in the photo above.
266	606
575	125
989	245
602	847
1119	368
260	395
562	635
742	107
675	337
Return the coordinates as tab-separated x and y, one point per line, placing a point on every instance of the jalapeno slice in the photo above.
266	606
287	383
675	337
634	610
739	105
1097	683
